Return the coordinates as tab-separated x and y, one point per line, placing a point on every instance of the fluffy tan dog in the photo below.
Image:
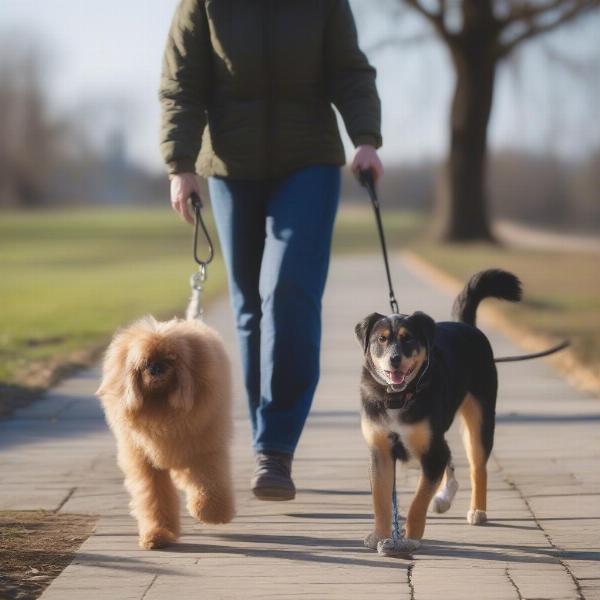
167	396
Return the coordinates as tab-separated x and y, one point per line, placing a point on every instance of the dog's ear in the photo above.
363	329
113	372
423	325
132	395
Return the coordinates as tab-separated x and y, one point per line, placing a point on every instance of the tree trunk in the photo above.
462	209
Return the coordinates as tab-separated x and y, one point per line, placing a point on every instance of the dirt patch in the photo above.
32	381
35	546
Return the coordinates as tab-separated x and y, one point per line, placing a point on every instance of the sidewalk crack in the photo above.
149	586
513	583
411	585
557	551
65	499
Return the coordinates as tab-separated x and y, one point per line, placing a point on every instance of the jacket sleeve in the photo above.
184	87
350	79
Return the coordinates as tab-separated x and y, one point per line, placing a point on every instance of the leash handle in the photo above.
365	178
196	202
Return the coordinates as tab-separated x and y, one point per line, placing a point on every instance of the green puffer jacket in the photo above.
249	84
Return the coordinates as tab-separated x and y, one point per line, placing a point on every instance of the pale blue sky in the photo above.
104	60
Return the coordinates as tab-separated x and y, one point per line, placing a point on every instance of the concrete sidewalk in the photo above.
543	539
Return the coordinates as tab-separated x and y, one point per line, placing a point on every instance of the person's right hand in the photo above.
182	187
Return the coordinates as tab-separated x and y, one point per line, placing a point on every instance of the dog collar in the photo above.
398	400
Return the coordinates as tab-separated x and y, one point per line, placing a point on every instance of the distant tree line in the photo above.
49	161
536	189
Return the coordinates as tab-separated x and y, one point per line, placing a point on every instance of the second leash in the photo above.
366	180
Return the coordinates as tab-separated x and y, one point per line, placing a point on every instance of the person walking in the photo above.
246	97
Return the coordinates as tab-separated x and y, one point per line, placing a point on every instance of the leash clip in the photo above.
198	278
195	310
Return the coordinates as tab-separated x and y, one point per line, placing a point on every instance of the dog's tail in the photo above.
493	283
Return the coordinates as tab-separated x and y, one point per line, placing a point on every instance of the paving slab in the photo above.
542	541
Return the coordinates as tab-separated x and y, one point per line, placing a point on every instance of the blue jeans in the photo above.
276	240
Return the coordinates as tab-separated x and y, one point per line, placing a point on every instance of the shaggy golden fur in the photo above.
166	393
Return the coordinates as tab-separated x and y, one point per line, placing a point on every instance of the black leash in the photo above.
395	545
366	180
194	309
564	344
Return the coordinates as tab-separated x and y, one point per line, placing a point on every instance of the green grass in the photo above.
70	278
356	231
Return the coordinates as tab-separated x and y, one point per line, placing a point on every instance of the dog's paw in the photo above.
400	547
212	511
440	504
476	517
442	501
156	538
372	540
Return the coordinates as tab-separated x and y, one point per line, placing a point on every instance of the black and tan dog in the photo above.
417	375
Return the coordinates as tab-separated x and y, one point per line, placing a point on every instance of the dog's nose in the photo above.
155	368
395	360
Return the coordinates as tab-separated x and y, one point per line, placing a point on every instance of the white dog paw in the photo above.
443	499
400	547
440	504
476	517
372	540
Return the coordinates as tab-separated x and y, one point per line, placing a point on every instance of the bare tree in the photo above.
478	35
27	138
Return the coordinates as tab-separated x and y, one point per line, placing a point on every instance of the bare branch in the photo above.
527	12
534	28
436	19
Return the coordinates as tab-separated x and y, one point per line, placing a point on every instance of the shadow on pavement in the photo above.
301	555
499	552
545	418
334	492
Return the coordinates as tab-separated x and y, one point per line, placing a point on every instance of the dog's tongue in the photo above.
397	377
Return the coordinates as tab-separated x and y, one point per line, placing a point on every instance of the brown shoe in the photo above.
272	476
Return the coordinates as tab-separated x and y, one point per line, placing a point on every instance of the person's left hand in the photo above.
366	159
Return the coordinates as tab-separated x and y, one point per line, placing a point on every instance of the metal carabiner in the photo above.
198	278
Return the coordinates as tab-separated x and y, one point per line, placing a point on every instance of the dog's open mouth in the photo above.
398	377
